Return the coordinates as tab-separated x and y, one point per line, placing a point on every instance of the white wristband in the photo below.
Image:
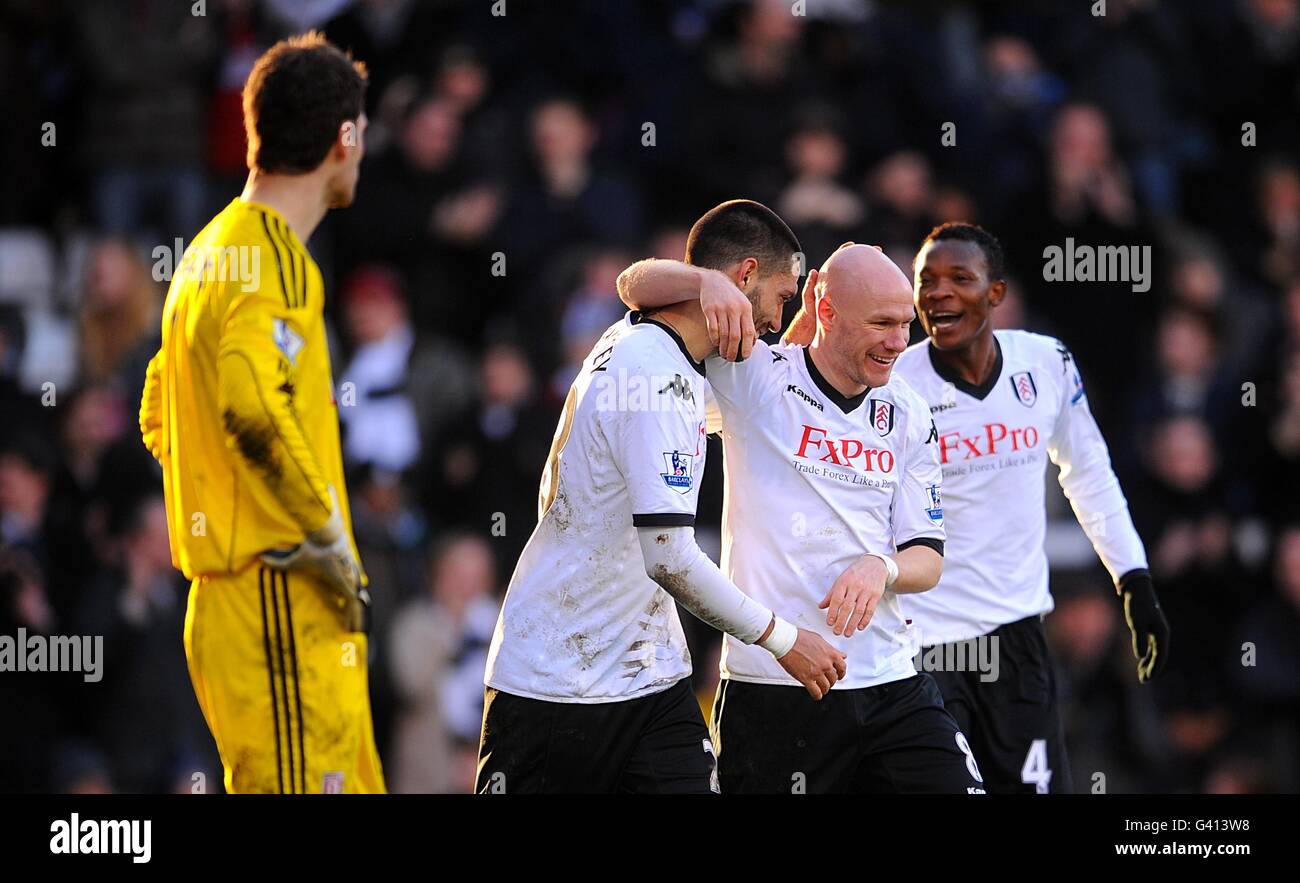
891	568
783	636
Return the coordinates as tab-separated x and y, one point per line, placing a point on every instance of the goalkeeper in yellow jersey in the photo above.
239	409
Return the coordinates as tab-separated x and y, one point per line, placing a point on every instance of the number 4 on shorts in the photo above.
1036	772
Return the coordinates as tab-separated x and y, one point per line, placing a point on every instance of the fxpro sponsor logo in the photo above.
81	653
817	444
997	438
1098	263
78	836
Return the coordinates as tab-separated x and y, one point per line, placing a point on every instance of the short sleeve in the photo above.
745	385
660	452
918	507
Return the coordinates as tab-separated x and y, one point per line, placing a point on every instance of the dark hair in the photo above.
987	242
298	94
739	229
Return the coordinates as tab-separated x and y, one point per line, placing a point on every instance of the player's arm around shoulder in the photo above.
728	314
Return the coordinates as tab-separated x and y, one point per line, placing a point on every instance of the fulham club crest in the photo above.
882	416
1026	391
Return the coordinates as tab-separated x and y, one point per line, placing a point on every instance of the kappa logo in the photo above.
882	416
678	476
1026	390
680	387
803	395
1064	353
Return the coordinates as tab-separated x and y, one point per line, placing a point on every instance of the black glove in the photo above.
1147	623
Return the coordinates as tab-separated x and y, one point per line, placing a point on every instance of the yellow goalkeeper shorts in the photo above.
282	684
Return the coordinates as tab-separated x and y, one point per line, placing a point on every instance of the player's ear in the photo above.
825	309
746	273
997	291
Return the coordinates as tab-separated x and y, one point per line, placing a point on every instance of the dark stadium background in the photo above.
522	137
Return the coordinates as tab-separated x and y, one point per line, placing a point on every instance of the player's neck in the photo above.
299	198
832	372
972	363
687	319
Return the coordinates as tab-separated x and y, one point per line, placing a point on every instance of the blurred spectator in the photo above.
1189	376
143	712
404	387
26	468
818	206
566	198
440	644
1266	662
390	531
143	130
1279	207
26	751
485	470
1020	95
121	312
900	213
1181	514
1084	196
377	415
588	313
751	80
1110	726
1199	280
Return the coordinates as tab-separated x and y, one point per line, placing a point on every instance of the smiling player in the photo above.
1005	403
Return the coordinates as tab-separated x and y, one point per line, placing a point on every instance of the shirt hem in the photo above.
840	685
587	700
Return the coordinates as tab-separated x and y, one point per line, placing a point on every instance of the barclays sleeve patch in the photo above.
287	340
935	507
679	465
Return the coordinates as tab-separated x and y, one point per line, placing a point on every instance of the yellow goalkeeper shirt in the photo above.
238	404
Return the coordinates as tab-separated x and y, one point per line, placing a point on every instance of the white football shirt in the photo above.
581	621
994	444
814	481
